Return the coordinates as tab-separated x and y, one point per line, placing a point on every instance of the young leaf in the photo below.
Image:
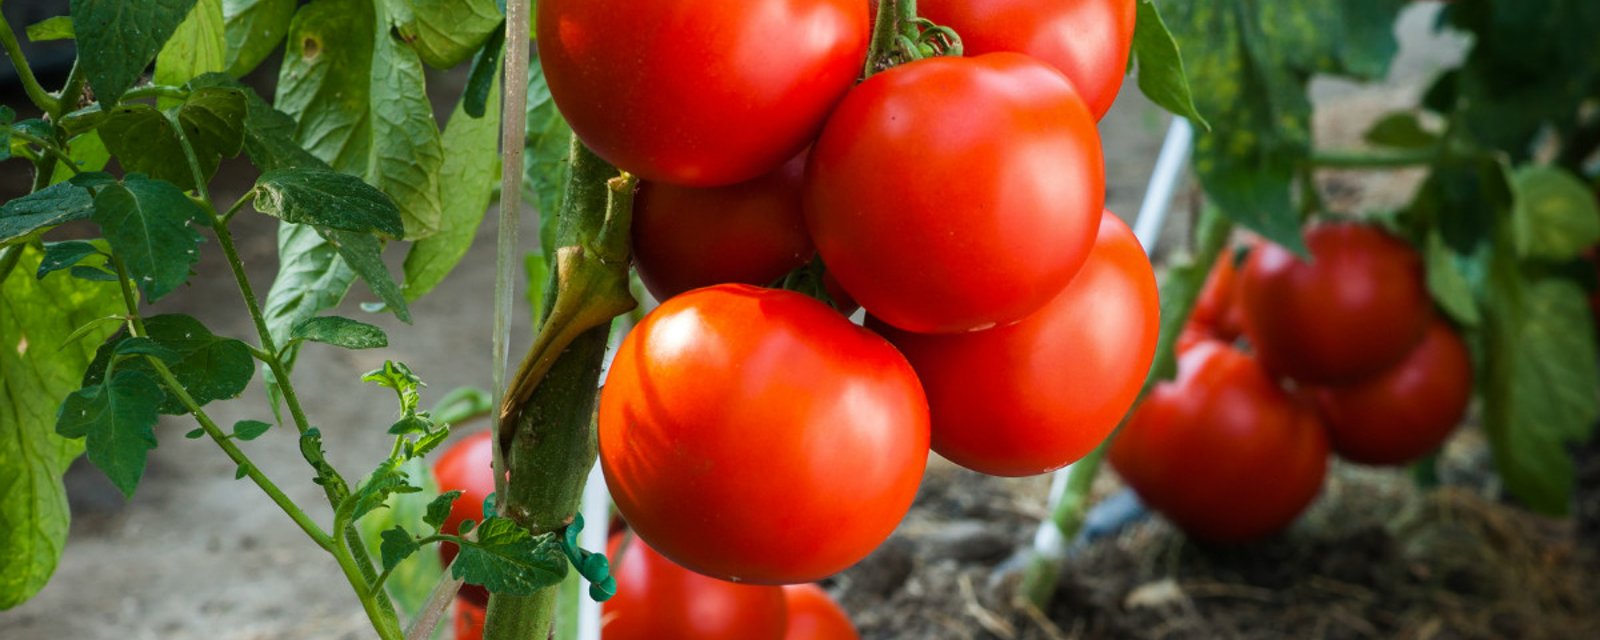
397	376
439	509
57	204
117	39
411	581
57	28
196	47
195	434
426	443
547	161
481	79
446	32
1447	284
248	430
1555	216
360	98
119	419
311	450
147	223
92	274
386	480
209	367
1401	130
396	547
507	559
40	362
471	168
340	332
62	255
1161	74
364	254
241	471
329	199
461	404
253	29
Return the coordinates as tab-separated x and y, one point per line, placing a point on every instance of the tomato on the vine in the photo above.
1222	451
469	619
1039	394
813	615
1407	411
756	434
752	232
466	466
696	93
1357	308
1088	40
1217	311
953	194
659	600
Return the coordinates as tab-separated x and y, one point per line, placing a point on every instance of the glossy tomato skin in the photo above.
469	619
813	615
1217	311
695	93
1407	411
659	600
466	466
752	232
1222	451
1355	310
953	194
756	434
1037	395
1088	40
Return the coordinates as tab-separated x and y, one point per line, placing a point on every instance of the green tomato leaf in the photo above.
547	159
130	347
507	559
147	223
411	580
360	99
269	134
62	255
388	479
252	30
329	199
1448	284
398	376
461	404
482	78
57	204
340	332
57	28
1161	74
364	254
6	116
208	366
92	274
1401	130
117	39
439	509
397	545
248	430
311	450
1554	216
312	278
471	167
144	140
538	270
118	417
87	151
195	48
447	32
195	434
40	363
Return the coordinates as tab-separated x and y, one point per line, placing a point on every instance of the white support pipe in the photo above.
1048	540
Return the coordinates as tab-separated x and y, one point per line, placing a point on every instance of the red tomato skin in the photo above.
1223	452
1357	309
1037	395
699	94
466	466
469	620
1088	40
757	435
953	194
1405	412
813	615
1217	311
659	600
753	232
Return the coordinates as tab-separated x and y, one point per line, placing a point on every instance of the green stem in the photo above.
72	92
1388	159
379	612
1182	289
50	148
156	91
30	84
894	19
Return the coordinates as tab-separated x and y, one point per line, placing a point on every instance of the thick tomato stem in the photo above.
896	19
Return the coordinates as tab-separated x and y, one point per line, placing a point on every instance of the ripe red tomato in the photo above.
757	435
1407	411
658	600
1217	311
1088	40
815	616
696	93
469	620
953	194
466	466
1039	394
752	232
1355	310
1223	452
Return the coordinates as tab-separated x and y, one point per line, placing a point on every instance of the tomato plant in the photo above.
674	91
752	232
813	615
728	397
1222	451
1088	40
1034	396
1217	312
664	600
1407	411
1017	155
1357	307
466	467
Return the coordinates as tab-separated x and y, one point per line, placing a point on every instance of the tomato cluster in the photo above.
755	434
1348	357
